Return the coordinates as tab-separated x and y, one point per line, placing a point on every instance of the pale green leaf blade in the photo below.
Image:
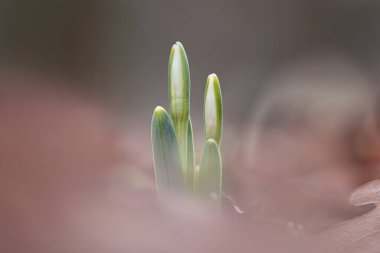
210	171
167	164
190	170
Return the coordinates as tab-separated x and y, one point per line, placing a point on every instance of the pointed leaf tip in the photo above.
159	110
211	142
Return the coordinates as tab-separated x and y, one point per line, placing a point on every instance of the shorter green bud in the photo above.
213	109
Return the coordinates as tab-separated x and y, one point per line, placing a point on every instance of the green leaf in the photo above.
209	180
167	164
179	96
213	109
190	170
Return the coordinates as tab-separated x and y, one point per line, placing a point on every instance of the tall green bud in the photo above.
179	97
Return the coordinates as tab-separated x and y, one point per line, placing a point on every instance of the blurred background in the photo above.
79	81
120	48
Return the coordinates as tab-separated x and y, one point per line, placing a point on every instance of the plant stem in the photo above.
210	171
190	158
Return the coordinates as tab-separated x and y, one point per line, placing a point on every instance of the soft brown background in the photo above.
121	47
79	81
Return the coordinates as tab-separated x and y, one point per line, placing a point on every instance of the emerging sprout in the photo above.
165	153
213	110
179	97
172	136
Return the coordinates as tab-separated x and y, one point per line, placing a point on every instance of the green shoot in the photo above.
165	151
213	109
179	97
173	140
